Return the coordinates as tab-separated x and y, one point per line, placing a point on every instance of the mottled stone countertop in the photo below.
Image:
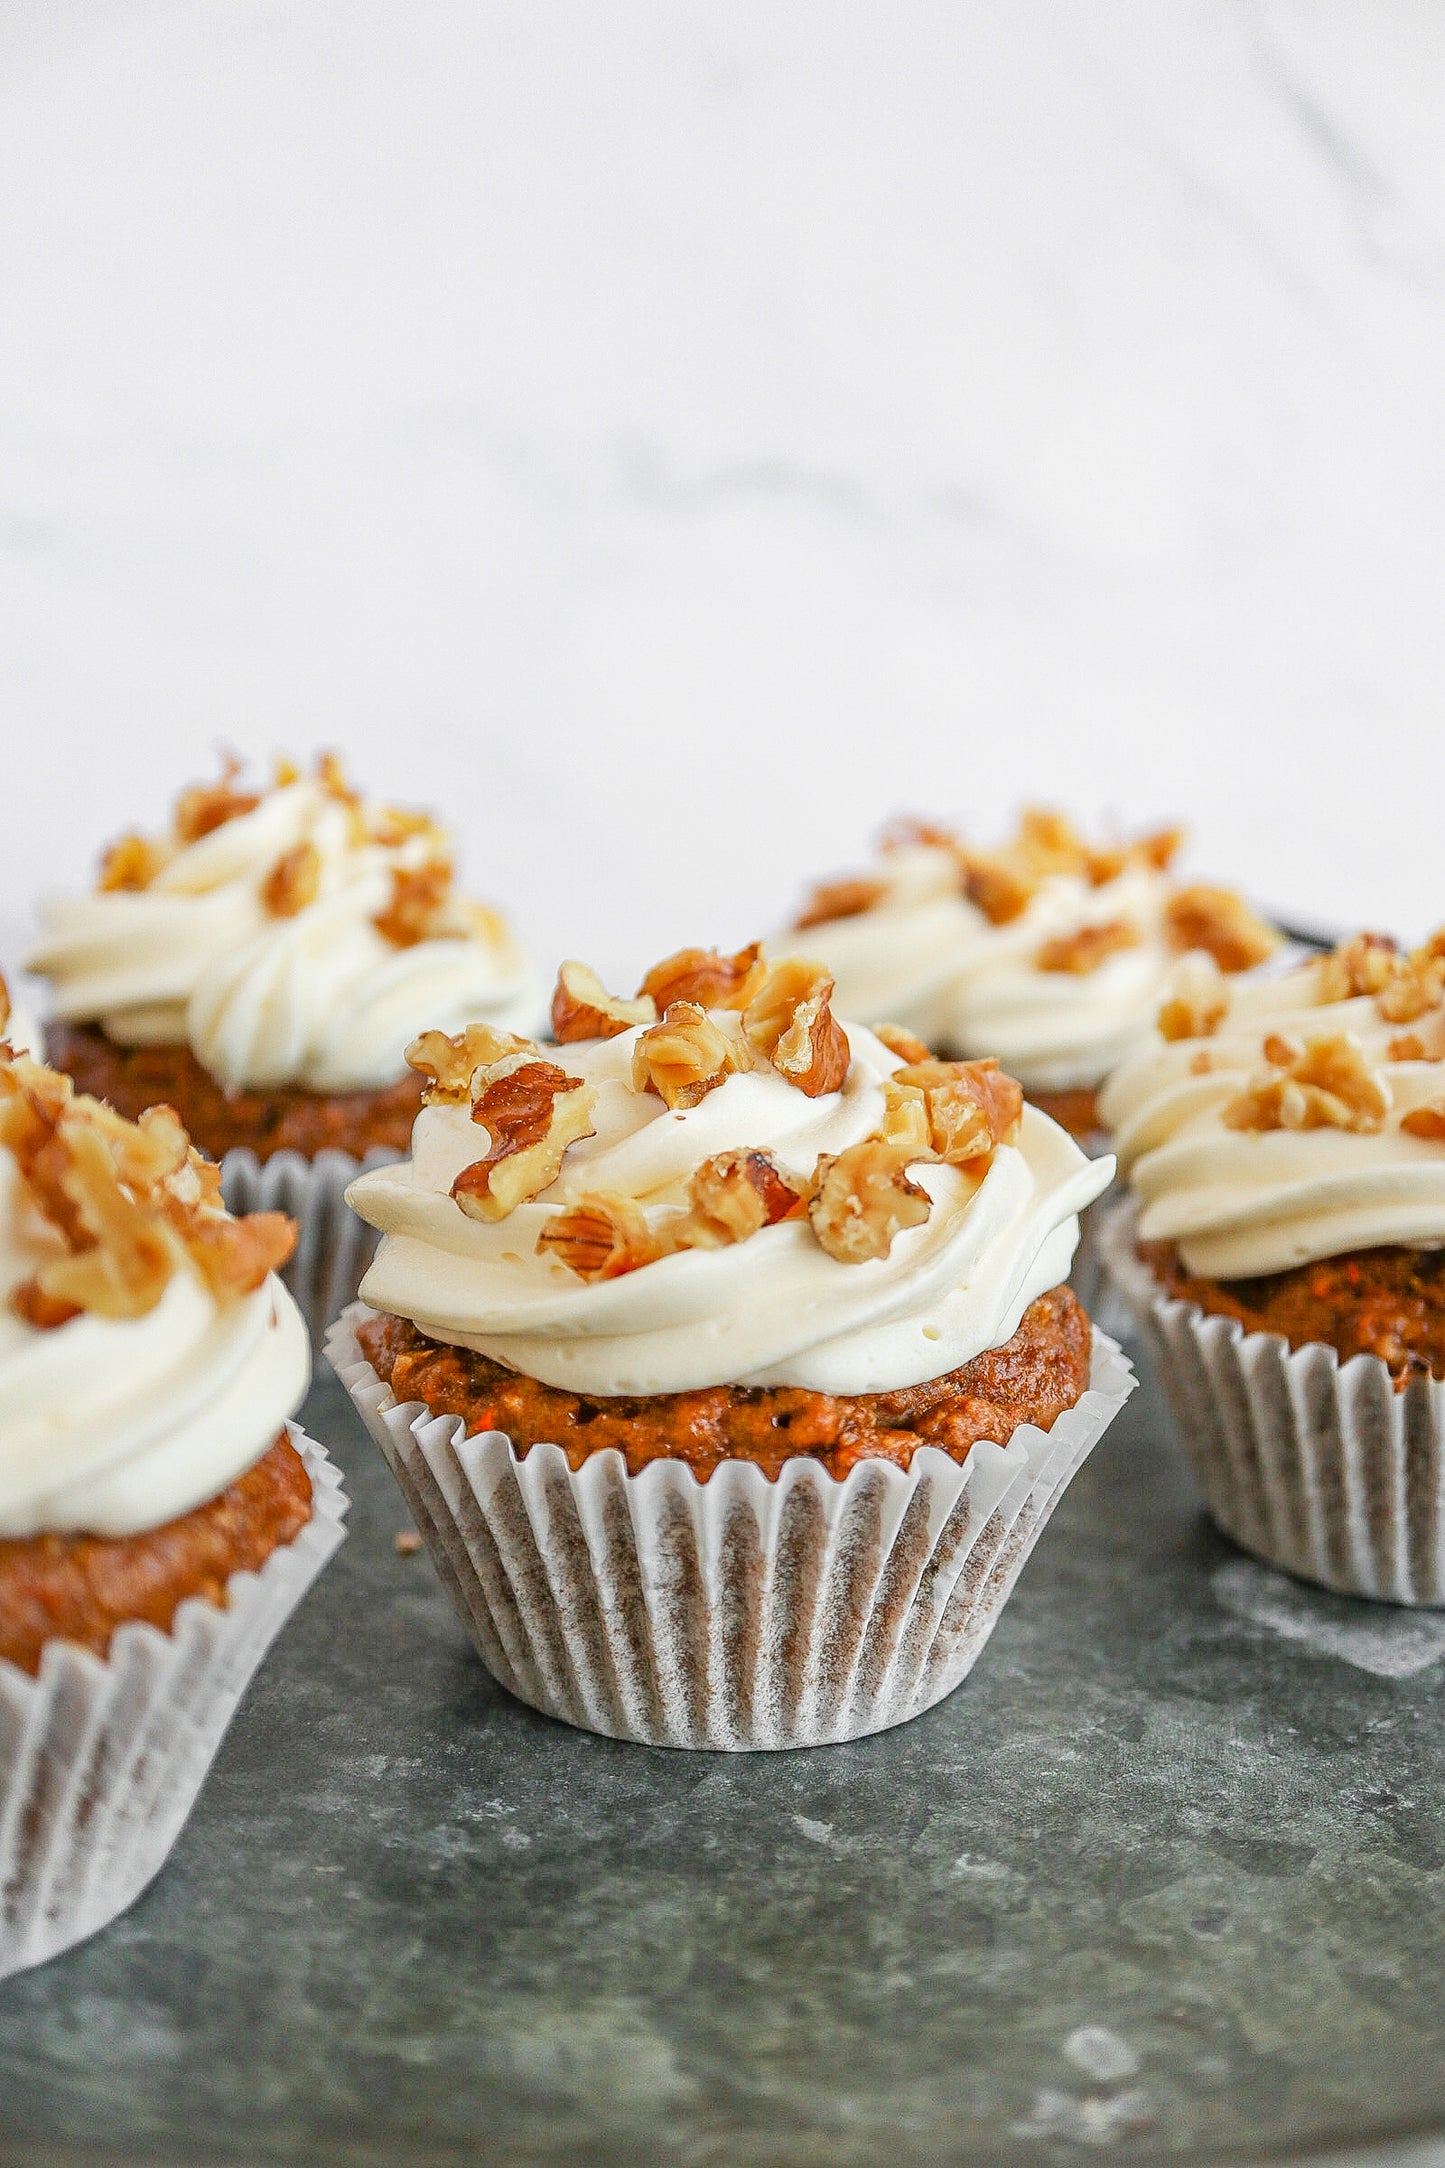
1165	1876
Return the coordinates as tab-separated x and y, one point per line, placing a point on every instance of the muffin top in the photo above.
1050	953
719	1183
148	1355
1293	1116
290	935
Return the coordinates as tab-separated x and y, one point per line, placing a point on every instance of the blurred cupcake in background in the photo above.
1285	1254
721	1352
1051	953
261	967
159	1516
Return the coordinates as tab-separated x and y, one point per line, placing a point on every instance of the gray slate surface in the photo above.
1163	1877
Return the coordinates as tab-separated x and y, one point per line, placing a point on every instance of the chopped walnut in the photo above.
1281	1052
417	906
711	980
208	806
130	864
684	1057
1327	1085
1417	986
1000	887
848	898
905	1044
1362	966
1427	1122
1201	1064
293	882
1408	1047
864	1198
450	1065
582	1008
5	1010
734	1196
531	1111
130	1202
908	833
1197	1004
972	1106
601	1237
1087	947
791	1025
1221	923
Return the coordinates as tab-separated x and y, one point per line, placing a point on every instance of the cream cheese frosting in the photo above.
117	1423
1059	1011
1240	1200
775	1309
196	941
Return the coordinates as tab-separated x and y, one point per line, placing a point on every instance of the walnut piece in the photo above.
704	976
450	1065
905	1044
790	1024
847	898
601	1237
531	1111
1418	985
417	906
1408	1047
131	1202
864	1198
1427	1122
1197	1003
734	1196
131	864
971	1106
208	806
1361	966
1221	923
582	1008
1086	948
684	1057
293	882
1326	1085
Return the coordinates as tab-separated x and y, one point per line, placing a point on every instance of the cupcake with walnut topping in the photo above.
1285	1253
722	1354
261	967
159	1516
1051	953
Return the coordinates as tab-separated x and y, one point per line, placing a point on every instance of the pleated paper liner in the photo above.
1319	1466
102	1759
333	1247
737	1613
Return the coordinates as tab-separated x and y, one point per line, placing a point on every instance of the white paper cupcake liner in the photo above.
101	1760
333	1246
737	1613
1318	1466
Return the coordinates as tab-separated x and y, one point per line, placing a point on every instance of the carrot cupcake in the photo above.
1050	953
159	1517
722	1355
261	967
1285	1141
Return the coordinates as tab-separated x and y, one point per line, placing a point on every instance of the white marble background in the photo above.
673	437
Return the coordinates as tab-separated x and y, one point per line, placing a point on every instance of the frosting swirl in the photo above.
1049	954
147	1355
300	939
774	1309
1292	1117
